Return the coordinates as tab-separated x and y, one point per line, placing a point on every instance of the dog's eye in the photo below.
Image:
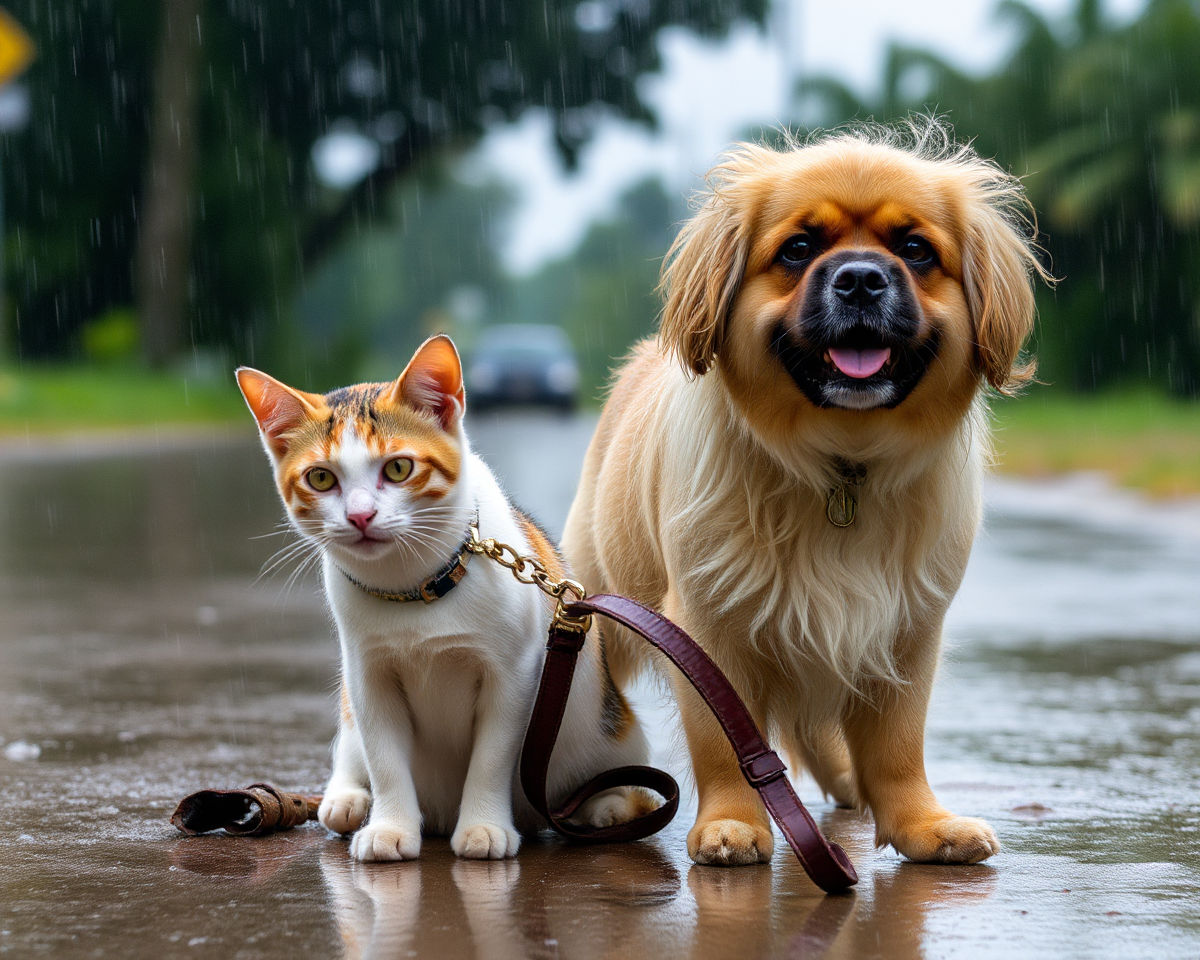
798	249
916	251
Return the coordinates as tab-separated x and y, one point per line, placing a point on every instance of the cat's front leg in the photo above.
393	831
347	794
485	828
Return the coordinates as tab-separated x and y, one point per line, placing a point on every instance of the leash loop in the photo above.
825	862
262	808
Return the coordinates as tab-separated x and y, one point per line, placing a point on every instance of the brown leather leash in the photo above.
262	808
825	862
258	810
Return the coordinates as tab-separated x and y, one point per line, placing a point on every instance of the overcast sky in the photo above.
710	93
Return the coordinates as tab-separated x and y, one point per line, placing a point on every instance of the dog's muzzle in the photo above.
856	341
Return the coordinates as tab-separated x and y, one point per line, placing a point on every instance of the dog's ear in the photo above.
1000	262
700	278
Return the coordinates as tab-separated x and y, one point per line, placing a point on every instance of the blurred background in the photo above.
313	188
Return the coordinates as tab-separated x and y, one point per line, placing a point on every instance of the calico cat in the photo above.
436	689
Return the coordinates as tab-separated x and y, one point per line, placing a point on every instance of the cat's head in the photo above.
370	470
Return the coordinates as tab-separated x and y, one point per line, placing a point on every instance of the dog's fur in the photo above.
705	488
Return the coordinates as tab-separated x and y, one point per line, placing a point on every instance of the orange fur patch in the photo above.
346	710
385	425
543	548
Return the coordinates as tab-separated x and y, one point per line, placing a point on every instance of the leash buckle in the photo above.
763	769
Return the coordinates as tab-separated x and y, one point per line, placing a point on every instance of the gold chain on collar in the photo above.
842	506
531	570
525	569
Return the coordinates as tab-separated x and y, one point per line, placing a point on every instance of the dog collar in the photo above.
841	508
436	587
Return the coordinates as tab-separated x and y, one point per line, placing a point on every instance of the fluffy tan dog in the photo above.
791	471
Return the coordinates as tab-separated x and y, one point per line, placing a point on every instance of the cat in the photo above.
435	696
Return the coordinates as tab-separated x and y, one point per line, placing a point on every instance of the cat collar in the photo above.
436	587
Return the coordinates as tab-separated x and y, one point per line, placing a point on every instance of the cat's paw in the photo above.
345	810
616	806
386	841
485	841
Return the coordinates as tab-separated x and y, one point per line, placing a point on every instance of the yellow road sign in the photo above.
16	49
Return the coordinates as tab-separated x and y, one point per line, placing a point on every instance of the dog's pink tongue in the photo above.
859	363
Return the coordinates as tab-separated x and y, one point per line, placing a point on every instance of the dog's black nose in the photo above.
859	282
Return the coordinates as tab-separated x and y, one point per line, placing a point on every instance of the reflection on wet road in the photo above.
140	659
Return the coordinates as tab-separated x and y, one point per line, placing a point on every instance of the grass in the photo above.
64	399
1140	440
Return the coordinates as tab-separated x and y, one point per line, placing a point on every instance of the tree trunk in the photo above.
163	259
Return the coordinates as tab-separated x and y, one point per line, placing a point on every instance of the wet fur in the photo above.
435	697
704	490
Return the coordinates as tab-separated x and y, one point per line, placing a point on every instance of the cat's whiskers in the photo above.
422	537
285	555
281	528
307	562
424	526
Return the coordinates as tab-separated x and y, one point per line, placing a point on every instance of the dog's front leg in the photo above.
732	827
885	731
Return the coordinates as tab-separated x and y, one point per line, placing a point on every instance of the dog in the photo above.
791	470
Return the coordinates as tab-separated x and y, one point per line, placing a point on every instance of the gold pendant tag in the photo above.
842	507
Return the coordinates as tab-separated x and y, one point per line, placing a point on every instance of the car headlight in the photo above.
562	376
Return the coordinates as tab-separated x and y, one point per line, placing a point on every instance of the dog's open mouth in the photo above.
858	370
858	364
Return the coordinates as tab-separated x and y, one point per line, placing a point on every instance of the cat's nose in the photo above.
361	520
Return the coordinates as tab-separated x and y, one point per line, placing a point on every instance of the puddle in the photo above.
142	659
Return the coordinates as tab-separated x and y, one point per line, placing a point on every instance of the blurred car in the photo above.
522	364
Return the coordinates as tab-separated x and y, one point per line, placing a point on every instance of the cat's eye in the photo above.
398	470
321	479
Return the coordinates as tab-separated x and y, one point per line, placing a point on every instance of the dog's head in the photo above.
865	271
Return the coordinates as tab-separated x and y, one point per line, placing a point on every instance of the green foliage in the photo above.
113	338
1140	439
1103	121
603	294
60	399
364	312
421	75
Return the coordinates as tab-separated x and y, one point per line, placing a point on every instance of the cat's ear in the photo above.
277	407
433	381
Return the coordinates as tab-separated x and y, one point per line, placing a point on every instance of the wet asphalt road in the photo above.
140	659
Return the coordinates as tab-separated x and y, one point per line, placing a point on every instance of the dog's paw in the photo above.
344	811
844	792
386	841
616	806
949	839
485	841
730	843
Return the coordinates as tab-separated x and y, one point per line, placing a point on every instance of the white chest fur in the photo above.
436	670
749	542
